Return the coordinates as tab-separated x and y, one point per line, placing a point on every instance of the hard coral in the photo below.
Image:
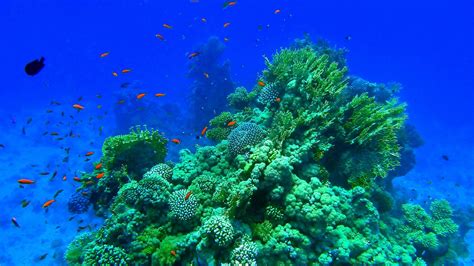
183	205
245	135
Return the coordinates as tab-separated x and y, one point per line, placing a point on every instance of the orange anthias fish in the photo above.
141	95
193	54
98	166
78	106
159	94
187	195
64	178
159	36
261	83
168	26
89	153
48	203
127	70
277	11
104	54
77	179
176	141
26	181
203	131
278	99
172	252
229	3
100	175
231	123
115	74
227	24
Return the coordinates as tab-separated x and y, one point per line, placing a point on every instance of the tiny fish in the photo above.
159	36
54	175
261	83
277	99
48	203
98	166
176	141
23	131
206	74
159	94
70	218
126	70
44	173
277	11
121	102
57	193
115	74
100	175
229	3
2	146
104	54
168	26
15	222
89	153
173	253
227	24
445	157
78	107
25	203
193	54
187	195
231	123
203	131
348	38
203	20
29	120
141	95
42	257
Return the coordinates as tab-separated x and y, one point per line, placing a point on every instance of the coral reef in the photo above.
291	182
78	203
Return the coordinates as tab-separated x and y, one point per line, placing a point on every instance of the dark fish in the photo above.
15	222
34	165
34	67
25	203
2	146
45	133
348	38
44	173
66	159
72	217
49	111
55	103
62	113
42	257
445	157
54	175
79	99
57	193
125	85
29	120
23	130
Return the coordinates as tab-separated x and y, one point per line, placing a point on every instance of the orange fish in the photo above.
115	74
172	252
193	54
261	83
168	26
64	178
187	195
104	54
229	3
98	166
176	141
26	181
141	95
89	153
77	179
206	74
278	100
78	106
160	94
227	24
159	36
48	203
203	131
100	175
231	123
126	70
277	11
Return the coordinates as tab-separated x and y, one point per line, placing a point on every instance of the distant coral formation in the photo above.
299	181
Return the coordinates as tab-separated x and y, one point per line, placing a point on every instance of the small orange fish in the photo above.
206	74
229	3
203	131
277	11
231	123
48	203
227	24
100	175
278	100
77	179
176	141
89	153
187	195
159	36
172	252
78	106
64	178
159	94
141	95
193	54
126	70
261	83
104	54
26	181
168	26
115	74
98	166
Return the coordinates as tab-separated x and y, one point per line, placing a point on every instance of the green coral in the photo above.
139	150
219	228
219	129
74	254
106	255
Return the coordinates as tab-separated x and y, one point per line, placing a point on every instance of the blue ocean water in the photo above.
427	46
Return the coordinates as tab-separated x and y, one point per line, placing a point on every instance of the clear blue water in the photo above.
427	46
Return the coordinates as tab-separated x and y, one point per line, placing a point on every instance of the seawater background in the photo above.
424	45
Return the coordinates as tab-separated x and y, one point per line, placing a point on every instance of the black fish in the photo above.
42	257
34	67
348	38
2	146
14	221
25	203
57	193
125	85
29	120
445	157
23	131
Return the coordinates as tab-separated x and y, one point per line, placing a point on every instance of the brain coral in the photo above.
183	206
246	134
